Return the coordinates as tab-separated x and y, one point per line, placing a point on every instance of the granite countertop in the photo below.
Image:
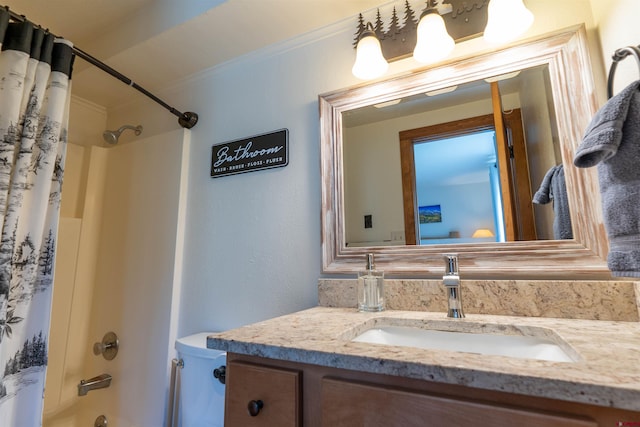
606	372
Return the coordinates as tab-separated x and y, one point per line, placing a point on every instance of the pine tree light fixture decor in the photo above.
432	36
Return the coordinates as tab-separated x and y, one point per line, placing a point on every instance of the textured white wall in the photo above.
252	248
253	240
617	22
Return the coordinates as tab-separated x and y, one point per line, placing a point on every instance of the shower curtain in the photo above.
35	83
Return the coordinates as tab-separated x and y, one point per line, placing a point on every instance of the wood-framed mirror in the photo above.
565	59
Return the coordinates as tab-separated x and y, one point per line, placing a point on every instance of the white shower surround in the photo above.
135	204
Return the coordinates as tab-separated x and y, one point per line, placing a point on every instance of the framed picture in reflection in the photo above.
429	214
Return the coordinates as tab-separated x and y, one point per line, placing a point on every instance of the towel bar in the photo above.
618	56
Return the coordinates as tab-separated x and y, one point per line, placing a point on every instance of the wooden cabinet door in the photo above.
275	390
346	403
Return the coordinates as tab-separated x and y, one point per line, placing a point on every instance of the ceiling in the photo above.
159	42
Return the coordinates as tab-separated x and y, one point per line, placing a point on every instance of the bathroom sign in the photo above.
270	150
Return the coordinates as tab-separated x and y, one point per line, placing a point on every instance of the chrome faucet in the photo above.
451	281
101	381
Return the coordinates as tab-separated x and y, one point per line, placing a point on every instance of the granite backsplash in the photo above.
592	300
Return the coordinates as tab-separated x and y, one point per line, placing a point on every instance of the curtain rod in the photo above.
186	120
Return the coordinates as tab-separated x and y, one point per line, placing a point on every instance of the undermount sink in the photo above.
518	346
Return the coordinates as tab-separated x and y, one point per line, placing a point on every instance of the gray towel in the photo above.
612	141
553	187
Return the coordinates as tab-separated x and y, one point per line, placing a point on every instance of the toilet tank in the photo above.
200	394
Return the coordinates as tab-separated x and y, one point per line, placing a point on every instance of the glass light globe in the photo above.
434	42
507	20
369	60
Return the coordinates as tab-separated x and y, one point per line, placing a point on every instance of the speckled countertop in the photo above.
606	372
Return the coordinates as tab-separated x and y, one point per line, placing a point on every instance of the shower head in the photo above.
111	136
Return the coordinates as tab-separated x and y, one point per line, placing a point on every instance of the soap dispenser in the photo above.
370	287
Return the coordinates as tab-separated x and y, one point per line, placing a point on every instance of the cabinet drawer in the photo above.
274	394
346	403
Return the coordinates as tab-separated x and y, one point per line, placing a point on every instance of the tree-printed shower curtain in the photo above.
34	104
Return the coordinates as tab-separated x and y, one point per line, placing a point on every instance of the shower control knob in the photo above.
254	407
220	373
108	347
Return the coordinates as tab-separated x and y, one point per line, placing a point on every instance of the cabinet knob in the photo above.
254	407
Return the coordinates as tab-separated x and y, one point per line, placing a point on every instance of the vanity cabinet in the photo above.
296	394
348	403
260	395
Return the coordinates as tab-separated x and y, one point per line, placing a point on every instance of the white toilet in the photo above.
201	395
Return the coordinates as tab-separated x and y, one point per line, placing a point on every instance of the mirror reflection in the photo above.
383	201
471	163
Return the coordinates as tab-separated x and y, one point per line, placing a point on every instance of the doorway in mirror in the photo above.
460	163
458	175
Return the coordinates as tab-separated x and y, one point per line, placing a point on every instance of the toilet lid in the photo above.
196	345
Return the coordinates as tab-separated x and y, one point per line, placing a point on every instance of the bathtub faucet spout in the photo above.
101	381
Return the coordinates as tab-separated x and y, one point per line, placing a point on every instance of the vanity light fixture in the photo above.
369	60
432	37
433	41
507	20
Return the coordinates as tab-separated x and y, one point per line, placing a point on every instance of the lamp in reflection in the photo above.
502	77
432	37
441	91
482	232
388	103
